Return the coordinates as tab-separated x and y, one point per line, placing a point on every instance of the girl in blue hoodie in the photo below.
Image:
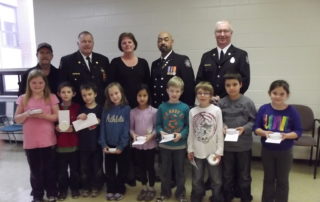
114	139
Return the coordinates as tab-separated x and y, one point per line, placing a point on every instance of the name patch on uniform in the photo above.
75	73
172	70
207	65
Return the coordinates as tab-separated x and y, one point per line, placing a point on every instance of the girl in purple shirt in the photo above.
142	125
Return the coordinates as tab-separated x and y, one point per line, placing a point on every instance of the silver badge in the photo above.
232	60
187	63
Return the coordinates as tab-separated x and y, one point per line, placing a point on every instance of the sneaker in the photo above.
161	198
183	198
85	193
75	194
37	200
94	193
142	195
110	196
150	195
118	196
62	196
51	199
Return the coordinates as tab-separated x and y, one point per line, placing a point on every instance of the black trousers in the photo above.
145	161
42	171
91	171
116	166
68	161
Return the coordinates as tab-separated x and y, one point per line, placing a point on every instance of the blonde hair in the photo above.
46	91
176	82
206	86
108	103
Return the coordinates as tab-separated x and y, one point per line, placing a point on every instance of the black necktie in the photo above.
161	63
89	62
221	57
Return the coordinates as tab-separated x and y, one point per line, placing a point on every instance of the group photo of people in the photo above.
152	120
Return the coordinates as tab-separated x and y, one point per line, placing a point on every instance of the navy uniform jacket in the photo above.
74	69
53	79
162	72
235	61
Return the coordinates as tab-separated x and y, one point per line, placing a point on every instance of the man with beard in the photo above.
85	66
44	55
168	65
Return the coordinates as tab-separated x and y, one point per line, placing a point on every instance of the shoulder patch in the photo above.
187	63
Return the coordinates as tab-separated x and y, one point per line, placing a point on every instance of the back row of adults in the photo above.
130	71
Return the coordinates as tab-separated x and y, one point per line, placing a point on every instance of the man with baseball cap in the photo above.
44	55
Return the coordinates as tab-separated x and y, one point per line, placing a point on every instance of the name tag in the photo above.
207	65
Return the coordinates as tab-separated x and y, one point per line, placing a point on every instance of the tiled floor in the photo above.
15	186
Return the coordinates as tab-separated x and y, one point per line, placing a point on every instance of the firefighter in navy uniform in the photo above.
85	66
168	65
225	58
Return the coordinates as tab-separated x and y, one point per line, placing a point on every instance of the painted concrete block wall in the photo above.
281	36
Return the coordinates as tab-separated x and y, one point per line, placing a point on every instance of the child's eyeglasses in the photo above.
203	94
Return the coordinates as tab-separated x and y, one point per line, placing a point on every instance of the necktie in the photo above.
89	62
221	57
161	63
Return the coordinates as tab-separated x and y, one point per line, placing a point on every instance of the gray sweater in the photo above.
238	113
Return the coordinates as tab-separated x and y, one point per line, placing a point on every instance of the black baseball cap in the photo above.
44	45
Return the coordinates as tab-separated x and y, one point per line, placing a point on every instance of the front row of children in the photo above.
198	132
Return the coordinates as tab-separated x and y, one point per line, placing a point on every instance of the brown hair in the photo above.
108	103
204	85
128	35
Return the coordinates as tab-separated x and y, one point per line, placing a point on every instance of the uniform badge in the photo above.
232	60
172	70
97	62
79	62
187	63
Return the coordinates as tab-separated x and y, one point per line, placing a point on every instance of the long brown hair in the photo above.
109	104
46	92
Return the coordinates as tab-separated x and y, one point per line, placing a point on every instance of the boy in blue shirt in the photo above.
172	118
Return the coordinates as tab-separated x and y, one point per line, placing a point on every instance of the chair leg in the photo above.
311	155
8	134
316	164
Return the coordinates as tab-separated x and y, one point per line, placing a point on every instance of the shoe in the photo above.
37	200
161	198
85	193
62	196
183	198
75	194
142	195
150	195
118	196
94	193
110	196
51	199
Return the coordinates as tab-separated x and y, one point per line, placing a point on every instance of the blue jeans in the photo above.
276	166
176	159
215	175
236	173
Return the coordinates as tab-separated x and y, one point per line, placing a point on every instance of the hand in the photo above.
217	157
240	130
284	136
267	132
177	137
39	116
105	150
224	129
134	137
215	99
92	127
82	116
57	128
149	137
118	151
190	156
70	129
